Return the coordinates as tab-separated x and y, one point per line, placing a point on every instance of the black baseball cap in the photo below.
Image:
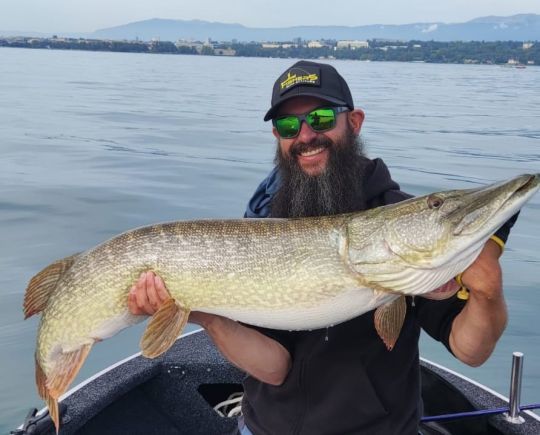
312	79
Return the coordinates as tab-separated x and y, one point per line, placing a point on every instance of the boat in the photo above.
192	389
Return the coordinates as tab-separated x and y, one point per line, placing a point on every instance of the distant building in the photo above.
417	46
392	47
186	43
527	45
352	44
270	45
197	45
316	44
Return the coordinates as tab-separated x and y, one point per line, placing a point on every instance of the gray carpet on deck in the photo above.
171	395
157	396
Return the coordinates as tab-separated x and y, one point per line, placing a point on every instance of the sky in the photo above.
90	15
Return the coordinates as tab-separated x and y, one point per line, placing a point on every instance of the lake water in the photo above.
93	144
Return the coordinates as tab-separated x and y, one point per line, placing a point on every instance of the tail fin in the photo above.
52	385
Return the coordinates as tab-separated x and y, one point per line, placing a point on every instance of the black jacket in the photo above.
343	380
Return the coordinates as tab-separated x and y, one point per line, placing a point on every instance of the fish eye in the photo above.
434	201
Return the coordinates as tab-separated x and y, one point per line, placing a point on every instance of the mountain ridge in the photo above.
518	27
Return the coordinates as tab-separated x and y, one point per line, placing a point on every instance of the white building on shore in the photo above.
351	44
316	44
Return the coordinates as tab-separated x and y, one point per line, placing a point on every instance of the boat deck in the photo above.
175	394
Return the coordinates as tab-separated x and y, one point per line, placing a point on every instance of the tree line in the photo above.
499	52
482	52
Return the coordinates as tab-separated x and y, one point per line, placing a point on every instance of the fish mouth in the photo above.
528	184
482	207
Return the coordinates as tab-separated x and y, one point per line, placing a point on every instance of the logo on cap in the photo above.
299	76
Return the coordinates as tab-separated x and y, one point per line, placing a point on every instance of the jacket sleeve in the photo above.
436	317
285	338
504	231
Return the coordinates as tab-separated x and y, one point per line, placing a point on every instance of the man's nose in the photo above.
306	134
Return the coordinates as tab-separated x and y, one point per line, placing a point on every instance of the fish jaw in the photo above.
418	245
461	225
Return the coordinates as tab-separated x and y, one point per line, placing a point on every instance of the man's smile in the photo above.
312	152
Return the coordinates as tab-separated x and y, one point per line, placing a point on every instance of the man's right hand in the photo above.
147	294
248	349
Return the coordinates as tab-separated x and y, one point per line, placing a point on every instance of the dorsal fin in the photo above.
41	285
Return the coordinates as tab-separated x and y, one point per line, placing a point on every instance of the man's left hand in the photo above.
484	277
476	330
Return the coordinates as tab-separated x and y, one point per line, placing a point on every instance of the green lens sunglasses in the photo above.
319	120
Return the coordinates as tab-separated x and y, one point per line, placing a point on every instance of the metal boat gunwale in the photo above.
476	384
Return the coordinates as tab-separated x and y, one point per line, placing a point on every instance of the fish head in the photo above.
430	239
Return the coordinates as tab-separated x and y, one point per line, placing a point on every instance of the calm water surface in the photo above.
93	144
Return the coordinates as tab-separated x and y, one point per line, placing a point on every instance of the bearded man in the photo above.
343	379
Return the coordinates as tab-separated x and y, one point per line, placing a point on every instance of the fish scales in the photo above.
257	269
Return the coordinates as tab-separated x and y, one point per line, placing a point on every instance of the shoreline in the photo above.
515	54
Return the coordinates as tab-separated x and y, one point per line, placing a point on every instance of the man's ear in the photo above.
275	133
356	119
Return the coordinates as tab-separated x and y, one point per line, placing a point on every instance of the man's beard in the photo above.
338	189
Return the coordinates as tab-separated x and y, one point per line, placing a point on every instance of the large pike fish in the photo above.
279	273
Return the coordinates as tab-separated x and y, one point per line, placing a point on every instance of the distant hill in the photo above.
523	27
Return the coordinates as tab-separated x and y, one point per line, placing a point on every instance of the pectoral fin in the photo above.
164	328
389	320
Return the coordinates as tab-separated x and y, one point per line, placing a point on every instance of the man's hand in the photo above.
248	349
147	294
484	277
476	330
